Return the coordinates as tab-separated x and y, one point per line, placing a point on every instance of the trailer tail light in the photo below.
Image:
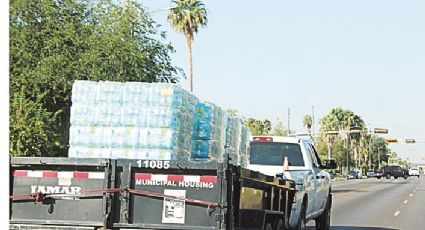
262	139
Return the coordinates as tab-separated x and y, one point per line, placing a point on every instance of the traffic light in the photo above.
391	140
410	141
379	130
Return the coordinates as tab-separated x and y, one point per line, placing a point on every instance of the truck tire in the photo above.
323	222
280	225
268	227
388	176
301	225
405	177
378	177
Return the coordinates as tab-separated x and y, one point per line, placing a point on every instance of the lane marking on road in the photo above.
405	202
397	213
411	194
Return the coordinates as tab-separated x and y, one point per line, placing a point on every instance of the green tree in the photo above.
258	127
378	150
340	121
308	122
54	43
187	16
278	129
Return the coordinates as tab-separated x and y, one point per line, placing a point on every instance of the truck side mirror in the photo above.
329	164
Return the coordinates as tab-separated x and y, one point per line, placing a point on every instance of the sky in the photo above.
264	57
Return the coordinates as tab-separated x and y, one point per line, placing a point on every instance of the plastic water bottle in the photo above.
131	137
84	92
143	138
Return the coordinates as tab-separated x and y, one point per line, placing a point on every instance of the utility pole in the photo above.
312	121
379	160
370	146
289	120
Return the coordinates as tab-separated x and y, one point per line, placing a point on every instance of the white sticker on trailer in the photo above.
173	211
64	181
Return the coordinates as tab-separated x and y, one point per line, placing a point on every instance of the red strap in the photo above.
160	195
38	197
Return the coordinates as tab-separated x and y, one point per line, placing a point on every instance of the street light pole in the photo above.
312	120
346	155
289	120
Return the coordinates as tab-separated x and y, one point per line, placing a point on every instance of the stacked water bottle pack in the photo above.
233	138
131	120
244	146
209	132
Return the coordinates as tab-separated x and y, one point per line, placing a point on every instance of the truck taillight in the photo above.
263	139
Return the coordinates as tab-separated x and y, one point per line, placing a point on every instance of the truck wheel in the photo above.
405	176
388	176
280	226
378	177
323	222
301	220
395	177
268	227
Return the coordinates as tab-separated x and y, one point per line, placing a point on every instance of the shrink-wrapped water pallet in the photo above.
157	121
209	132
131	120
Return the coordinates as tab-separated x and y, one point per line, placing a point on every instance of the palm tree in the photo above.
186	17
308	122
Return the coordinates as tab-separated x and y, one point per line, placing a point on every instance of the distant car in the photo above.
370	173
379	173
405	172
394	171
354	175
414	172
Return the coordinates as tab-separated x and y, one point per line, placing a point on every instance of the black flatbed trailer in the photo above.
139	194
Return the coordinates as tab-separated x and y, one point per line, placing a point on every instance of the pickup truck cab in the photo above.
313	198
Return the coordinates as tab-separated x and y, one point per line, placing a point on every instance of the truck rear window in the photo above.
273	153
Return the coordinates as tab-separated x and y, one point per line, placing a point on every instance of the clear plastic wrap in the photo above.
233	132
109	92
84	92
209	132
86	136
132	120
83	114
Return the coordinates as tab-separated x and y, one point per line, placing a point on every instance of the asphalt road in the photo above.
378	204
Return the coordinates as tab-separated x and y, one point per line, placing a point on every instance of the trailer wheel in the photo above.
301	220
268	227
323	222
280	226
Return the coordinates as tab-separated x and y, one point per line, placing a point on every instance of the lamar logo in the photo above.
56	189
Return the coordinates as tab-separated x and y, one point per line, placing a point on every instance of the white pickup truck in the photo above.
313	183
